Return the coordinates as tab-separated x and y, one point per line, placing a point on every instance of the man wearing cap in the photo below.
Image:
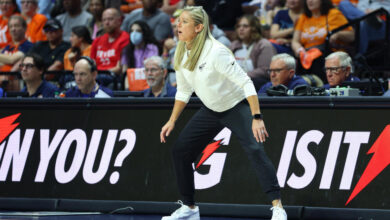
85	76
54	48
282	71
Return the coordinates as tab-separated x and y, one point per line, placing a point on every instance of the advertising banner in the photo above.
328	157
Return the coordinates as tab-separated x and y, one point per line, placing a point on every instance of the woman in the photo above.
253	52
7	8
205	66
282	27
319	18
142	45
80	40
96	8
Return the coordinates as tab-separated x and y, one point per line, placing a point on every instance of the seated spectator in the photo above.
170	6
106	50
168	54
282	27
32	68
54	48
311	29
338	68
7	9
219	34
371	29
35	21
14	51
282	71
44	6
80	40
85	73
74	15
157	20
96	8
143	45
252	51
156	73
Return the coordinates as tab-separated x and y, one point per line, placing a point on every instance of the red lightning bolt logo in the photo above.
6	126
208	151
379	161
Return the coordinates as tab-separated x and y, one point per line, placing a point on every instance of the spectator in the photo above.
15	50
32	68
74	15
370	29
142	46
80	41
96	8
44	6
156	73
7	8
35	21
282	71
218	34
85	74
156	19
282	27
338	69
106	50
1	93
319	18
251	50
169	46
223	13
54	48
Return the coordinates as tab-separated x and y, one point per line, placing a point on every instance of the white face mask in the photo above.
136	37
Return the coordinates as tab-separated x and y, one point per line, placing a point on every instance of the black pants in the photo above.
201	129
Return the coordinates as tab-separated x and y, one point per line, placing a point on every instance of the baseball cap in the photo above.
52	24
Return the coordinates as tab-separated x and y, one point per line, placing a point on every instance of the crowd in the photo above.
130	45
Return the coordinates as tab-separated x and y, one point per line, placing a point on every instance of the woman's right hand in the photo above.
166	130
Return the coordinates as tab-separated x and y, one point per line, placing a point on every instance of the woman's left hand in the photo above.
259	131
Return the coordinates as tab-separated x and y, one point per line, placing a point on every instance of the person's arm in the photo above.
11	58
258	127
170	125
277	33
264	53
57	65
344	36
296	44
117	69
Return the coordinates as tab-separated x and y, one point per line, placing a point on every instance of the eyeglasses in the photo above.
82	74
5	3
334	70
277	71
152	70
27	65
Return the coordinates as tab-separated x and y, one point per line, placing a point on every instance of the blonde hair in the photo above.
199	16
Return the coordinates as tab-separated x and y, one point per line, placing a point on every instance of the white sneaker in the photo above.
278	213
184	213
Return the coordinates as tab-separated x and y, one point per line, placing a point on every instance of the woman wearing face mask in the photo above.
142	45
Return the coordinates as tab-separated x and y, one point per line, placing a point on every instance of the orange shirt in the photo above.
313	30
34	32
5	36
68	65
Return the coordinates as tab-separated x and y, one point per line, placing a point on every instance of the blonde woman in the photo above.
205	66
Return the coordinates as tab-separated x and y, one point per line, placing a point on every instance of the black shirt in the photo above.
50	55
